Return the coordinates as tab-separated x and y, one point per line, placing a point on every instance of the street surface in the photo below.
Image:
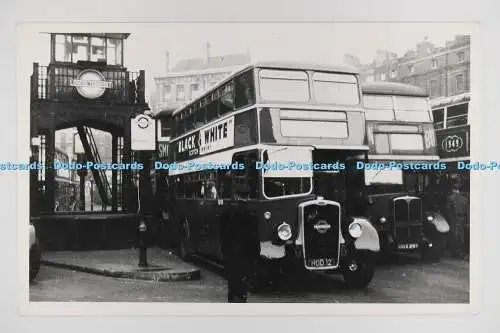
403	279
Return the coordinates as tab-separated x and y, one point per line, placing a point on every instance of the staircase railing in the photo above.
92	154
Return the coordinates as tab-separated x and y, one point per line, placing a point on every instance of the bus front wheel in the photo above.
358	272
433	253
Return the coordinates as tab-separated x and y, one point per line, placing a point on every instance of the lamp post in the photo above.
143	254
143	139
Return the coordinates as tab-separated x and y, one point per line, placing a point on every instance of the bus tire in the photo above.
184	242
386	248
362	275
432	254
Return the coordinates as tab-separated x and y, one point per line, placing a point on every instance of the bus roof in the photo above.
393	88
164	113
305	66
445	101
275	65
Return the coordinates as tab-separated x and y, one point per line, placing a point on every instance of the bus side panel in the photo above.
197	228
210	221
245	129
266	126
354	122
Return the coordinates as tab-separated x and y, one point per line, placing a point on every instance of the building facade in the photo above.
190	77
441	71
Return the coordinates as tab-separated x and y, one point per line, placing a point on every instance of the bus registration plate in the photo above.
407	246
320	262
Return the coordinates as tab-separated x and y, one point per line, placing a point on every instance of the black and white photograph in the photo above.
247	162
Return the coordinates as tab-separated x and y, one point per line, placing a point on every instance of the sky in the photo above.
315	42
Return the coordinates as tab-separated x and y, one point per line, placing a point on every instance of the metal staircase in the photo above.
92	154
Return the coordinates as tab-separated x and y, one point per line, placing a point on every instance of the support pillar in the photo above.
50	173
34	193
128	190
114	173
82	173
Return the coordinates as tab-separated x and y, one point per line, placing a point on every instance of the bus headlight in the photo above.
267	215
284	231
383	219
355	230
430	218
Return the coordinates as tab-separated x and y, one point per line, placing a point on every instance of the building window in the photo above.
461	56
433	88
180	93
80	51
411	69
97	49
369	78
383	76
63	48
434	64
114	49
459	79
195	88
166	92
394	73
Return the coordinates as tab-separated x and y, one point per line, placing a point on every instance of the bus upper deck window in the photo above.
244	90
226	103
336	88
212	110
284	85
412	109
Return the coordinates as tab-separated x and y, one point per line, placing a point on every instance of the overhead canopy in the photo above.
117	35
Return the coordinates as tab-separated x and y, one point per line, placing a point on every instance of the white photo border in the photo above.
28	308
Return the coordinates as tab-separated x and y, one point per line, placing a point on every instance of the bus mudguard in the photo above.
439	222
271	251
369	237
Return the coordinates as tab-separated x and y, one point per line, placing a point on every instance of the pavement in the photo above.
163	265
403	279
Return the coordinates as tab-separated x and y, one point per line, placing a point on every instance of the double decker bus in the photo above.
398	167
452	125
286	130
